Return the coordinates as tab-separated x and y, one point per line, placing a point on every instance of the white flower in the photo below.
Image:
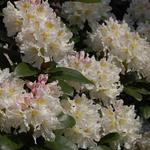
77	12
4	74
87	128
43	115
138	12
129	47
38	109
122	119
12	19
43	108
144	30
104	74
42	36
11	102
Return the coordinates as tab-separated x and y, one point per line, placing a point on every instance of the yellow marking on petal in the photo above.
122	121
53	46
44	36
77	114
125	50
49	25
87	130
34	113
11	91
40	101
103	64
25	6
29	16
1	92
77	130
60	33
37	24
133	45
78	101
110	114
34	50
88	65
18	22
40	9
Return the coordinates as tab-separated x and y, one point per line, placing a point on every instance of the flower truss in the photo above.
74	75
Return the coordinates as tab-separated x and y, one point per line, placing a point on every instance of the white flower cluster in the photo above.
104	74
88	121
41	35
21	110
122	119
129	48
138	12
36	106
77	13
144	30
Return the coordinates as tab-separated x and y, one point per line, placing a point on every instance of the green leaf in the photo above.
50	66
109	138
133	92
67	121
25	70
7	144
144	91
69	75
60	143
88	1
145	110
101	147
66	88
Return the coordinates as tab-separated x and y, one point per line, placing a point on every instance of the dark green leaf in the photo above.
69	75
60	143
66	88
66	120
109	138
51	66
133	92
145	110
144	91
25	70
7	144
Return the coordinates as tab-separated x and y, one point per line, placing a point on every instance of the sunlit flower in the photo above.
104	74
41	36
138	12
77	13
131	50
87	128
144	30
122	119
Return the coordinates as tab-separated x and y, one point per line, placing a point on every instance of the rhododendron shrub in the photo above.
74	75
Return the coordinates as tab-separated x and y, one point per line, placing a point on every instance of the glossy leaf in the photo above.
66	120
7	144
133	92
66	88
69	75
109	138
145	110
60	143
25	70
